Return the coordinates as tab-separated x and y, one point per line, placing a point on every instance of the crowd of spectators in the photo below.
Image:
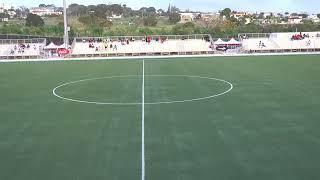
20	48
112	44
299	36
148	39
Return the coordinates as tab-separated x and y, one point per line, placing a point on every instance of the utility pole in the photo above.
66	36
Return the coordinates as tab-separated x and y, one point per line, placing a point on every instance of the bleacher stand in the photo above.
283	42
150	45
21	49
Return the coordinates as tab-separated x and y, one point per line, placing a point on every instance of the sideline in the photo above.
156	57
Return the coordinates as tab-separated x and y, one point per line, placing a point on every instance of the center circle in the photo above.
173	84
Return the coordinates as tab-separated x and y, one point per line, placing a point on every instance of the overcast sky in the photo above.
204	5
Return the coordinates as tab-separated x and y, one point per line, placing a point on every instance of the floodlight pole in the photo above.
65	37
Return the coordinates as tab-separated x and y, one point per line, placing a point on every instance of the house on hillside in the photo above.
295	20
187	17
45	11
314	18
239	15
115	16
12	13
209	16
4	7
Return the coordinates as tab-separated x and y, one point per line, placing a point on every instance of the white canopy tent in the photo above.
233	42
220	42
51	46
63	46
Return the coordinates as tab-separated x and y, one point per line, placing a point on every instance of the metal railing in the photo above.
152	37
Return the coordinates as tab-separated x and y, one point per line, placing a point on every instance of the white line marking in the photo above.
54	91
142	128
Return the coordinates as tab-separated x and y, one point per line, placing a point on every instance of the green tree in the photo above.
261	15
174	9
3	15
174	18
226	12
34	20
150	21
318	15
304	15
151	10
92	21
77	10
100	10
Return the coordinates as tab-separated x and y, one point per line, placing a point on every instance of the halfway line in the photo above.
142	128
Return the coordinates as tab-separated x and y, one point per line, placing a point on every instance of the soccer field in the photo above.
231	118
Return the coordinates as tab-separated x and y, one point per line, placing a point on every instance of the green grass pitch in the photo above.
266	128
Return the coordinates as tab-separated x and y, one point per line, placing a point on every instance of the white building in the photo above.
239	15
4	7
42	11
12	13
295	20
314	18
114	16
187	17
209	16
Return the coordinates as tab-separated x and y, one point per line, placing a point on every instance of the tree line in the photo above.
95	22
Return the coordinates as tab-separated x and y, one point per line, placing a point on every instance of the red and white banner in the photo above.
63	51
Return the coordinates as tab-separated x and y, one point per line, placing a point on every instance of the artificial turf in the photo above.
265	128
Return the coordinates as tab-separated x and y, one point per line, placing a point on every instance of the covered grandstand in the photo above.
156	45
159	45
280	42
22	48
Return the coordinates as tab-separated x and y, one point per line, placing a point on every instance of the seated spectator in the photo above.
297	37
22	46
163	39
309	43
211	46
